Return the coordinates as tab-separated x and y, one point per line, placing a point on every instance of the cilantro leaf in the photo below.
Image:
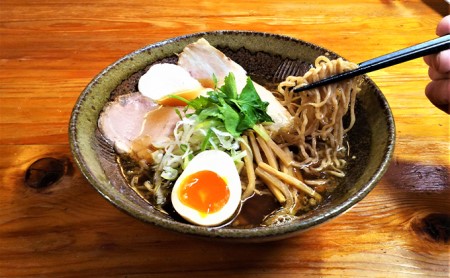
199	103
252	107
229	87
231	119
211	112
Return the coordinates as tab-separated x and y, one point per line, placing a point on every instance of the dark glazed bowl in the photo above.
264	56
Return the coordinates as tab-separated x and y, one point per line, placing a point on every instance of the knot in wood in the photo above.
434	227
45	172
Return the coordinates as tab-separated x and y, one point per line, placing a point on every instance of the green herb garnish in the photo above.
238	112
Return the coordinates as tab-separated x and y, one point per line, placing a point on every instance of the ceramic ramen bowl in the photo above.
264	56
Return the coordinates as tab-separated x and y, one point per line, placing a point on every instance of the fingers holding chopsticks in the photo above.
439	65
438	90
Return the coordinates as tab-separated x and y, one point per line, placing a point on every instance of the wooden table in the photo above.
49	51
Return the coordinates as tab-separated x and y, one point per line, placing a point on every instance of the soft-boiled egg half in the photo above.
208	192
163	80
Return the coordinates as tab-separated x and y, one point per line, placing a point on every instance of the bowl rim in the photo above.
256	233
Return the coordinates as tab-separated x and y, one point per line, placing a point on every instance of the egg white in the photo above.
162	80
222	164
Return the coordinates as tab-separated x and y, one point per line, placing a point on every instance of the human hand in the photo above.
438	90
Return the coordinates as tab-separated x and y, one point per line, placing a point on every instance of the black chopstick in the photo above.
397	57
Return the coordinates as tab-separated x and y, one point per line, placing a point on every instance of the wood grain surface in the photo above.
50	50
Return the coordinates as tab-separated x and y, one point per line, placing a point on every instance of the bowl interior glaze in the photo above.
371	139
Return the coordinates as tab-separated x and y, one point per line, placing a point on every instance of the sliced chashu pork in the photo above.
203	61
135	124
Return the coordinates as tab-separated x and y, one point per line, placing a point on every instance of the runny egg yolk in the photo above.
205	191
188	95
